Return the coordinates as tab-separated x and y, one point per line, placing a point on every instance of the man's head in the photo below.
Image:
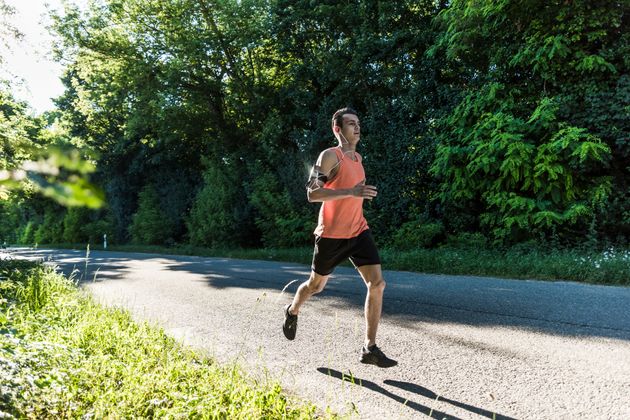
337	118
345	125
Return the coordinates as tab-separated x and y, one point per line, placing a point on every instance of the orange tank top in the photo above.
343	218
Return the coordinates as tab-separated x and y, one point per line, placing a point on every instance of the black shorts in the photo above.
330	252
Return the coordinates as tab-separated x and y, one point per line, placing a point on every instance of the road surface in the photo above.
468	347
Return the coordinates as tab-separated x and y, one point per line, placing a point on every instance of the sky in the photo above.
30	61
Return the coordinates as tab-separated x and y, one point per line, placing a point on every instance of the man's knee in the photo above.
377	285
316	283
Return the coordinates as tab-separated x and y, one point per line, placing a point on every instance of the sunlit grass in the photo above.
62	355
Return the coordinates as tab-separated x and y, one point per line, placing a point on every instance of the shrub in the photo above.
9	221
27	234
467	240
65	356
50	231
220	214
75	218
418	234
33	285
94	231
149	224
280	223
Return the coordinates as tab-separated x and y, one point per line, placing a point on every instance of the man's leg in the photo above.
313	285
373	277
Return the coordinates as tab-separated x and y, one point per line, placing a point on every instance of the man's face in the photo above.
351	129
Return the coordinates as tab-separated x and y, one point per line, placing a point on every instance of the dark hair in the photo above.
337	118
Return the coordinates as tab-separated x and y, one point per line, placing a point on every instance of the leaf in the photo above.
547	218
545	113
74	192
591	150
595	63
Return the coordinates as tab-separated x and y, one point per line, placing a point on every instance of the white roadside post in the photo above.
105	241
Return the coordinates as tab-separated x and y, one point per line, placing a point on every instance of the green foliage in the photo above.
15	129
62	175
73	221
521	150
31	285
95	230
220	215
528	261
9	217
50	230
26	235
468	240
149	224
266	92
418	234
530	175
31	154
504	118
281	224
81	225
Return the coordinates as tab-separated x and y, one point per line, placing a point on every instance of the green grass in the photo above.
64	356
606	267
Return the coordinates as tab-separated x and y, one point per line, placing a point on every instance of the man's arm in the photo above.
325	167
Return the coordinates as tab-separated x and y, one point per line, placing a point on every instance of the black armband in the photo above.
315	177
323	178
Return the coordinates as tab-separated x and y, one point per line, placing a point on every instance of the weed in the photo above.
63	355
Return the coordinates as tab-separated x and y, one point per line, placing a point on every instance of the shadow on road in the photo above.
73	264
558	308
416	389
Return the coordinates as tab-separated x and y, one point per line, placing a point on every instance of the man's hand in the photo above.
364	191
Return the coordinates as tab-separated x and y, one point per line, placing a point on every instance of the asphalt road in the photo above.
468	347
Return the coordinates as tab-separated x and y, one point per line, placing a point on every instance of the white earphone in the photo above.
338	130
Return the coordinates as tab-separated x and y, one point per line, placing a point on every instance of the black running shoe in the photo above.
289	328
374	356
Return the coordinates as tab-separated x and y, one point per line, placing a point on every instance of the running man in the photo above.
338	181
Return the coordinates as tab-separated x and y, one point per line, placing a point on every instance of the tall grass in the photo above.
64	356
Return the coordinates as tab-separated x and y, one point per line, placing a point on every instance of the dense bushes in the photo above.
418	234
220	215
35	220
505	120
51	229
149	224
527	150
281	224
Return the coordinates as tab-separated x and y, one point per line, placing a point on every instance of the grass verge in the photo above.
610	266
64	356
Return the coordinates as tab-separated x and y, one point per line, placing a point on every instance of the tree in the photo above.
522	152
